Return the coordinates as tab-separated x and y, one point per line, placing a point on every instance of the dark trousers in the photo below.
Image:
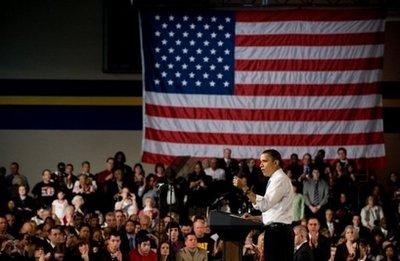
278	242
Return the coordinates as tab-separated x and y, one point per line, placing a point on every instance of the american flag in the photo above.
293	80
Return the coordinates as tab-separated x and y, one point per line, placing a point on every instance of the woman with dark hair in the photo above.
159	171
119	163
164	252
198	192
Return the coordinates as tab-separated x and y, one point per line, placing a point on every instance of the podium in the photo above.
233	230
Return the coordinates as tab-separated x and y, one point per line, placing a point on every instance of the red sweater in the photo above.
135	256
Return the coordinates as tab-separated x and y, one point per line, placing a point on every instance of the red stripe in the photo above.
306	90
263	115
265	140
362	163
310	39
309	65
309	15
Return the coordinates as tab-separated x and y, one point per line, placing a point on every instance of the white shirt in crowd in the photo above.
276	204
217	174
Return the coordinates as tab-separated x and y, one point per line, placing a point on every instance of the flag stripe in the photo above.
309	65
310	39
256	102
308	15
372	162
319	27
306	77
265	127
264	139
203	150
306	90
309	52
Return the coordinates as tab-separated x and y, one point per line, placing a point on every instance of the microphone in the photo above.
219	199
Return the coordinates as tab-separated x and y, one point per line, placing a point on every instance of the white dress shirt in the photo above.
276	204
217	174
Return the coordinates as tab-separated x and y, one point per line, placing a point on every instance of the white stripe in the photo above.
202	150
264	127
262	102
308	52
301	77
304	27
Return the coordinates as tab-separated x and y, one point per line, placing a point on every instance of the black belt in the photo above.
277	224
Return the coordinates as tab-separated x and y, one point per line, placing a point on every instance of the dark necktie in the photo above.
316	194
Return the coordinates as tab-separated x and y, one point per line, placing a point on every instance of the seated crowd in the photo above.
122	214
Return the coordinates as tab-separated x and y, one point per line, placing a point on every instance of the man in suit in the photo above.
128	237
231	166
315	192
332	226
319	243
302	250
191	251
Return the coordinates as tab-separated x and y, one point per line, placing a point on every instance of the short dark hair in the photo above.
85	162
343	149
274	154
16	164
171	225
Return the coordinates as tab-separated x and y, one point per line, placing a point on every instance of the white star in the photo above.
157	65
220	27
226	67
156	81
226	84
212	67
171	50
198	83
164	25
177	74
170	66
171	34
157	33
213	35
228	19
178	42
199	18
199	51
184	50
219	76
184	83
157	17
206	43
191	75
205	75
184	66
170	82
213	51
199	35
164	58
205	59
185	34
220	43
198	67
206	27
185	18
178	26
177	58
191	59
164	42
227	35
219	59
213	19
212	83
192	26
163	74
192	42
157	50
171	18
227	52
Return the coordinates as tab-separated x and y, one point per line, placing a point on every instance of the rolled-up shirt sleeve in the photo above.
274	194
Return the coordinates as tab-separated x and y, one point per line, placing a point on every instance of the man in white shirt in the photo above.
276	207
215	172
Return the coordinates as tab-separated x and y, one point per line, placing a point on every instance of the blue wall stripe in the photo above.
71	117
